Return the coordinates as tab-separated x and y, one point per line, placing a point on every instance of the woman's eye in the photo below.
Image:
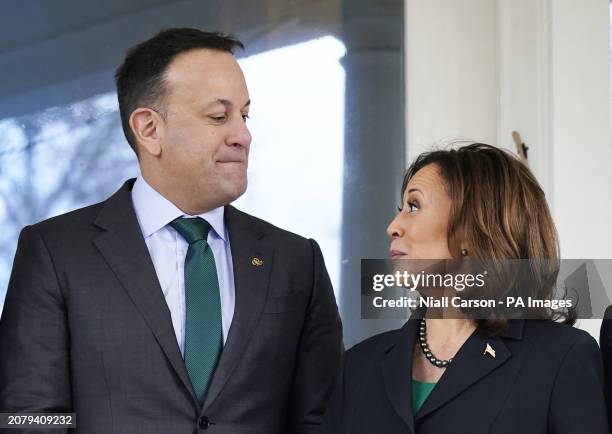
218	118
245	116
412	207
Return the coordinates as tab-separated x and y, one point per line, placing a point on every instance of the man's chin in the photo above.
235	190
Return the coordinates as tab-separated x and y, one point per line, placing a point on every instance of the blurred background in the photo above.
345	94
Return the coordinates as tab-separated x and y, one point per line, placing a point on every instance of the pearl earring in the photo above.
464	252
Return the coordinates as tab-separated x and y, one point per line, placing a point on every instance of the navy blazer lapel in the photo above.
396	369
122	246
470	365
252	257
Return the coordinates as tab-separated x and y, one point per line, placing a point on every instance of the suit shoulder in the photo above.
87	213
556	329
363	357
266	227
555	336
367	348
69	221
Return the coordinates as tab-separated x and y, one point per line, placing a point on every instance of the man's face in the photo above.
205	143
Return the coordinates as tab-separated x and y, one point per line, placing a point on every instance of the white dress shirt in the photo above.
168	250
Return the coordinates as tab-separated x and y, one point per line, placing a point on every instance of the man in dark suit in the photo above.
164	309
605	342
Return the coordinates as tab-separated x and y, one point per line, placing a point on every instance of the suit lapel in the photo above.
396	369
251	279
469	366
125	251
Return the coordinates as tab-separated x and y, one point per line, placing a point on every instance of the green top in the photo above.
420	392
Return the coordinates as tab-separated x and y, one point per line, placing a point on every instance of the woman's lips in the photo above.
396	254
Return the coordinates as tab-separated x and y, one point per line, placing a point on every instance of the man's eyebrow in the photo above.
225	102
415	189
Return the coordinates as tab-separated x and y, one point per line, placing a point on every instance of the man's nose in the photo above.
239	134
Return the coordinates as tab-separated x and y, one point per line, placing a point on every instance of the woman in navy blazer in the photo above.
455	370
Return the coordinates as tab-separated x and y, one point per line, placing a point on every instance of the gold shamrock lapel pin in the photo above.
256	262
489	350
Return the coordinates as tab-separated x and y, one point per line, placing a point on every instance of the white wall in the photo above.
582	154
480	69
450	72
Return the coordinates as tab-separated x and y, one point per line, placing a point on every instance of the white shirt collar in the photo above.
154	211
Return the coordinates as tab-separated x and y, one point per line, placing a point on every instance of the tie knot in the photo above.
191	229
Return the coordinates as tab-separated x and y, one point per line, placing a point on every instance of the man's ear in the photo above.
147	126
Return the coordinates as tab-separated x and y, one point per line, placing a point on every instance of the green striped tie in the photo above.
203	327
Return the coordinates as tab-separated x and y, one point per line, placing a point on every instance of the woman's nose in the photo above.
394	230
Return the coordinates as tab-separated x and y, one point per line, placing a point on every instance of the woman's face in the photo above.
419	231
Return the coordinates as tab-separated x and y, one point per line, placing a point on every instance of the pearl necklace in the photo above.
426	351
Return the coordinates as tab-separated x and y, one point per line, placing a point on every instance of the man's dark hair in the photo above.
140	79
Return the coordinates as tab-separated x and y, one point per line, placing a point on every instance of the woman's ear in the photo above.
459	245
147	127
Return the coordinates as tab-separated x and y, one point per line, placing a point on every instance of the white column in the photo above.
582	148
450	72
524	59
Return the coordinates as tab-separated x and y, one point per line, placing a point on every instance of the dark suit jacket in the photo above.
85	328
546	378
605	340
